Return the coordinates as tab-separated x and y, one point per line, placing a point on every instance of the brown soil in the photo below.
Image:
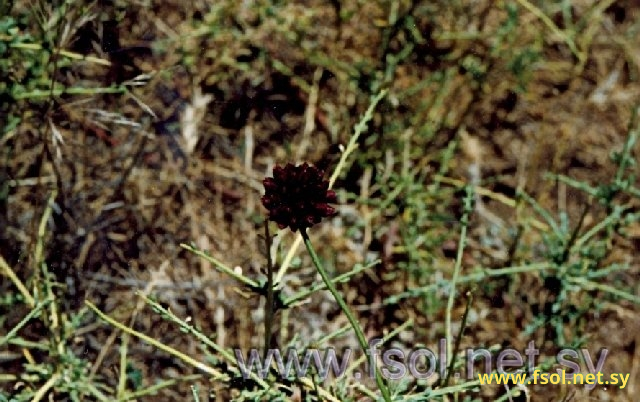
285	87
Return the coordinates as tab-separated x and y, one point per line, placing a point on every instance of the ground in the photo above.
498	159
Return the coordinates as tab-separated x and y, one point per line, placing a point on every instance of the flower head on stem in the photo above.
298	196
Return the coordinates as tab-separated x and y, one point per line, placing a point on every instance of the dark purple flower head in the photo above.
298	196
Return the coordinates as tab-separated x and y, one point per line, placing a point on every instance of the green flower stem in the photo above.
345	309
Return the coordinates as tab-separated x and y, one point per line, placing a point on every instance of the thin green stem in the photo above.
345	309
33	313
479	275
456	347
303	294
468	208
58	91
221	267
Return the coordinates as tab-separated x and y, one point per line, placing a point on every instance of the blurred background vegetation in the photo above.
128	128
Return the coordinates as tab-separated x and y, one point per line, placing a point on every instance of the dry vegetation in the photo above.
128	128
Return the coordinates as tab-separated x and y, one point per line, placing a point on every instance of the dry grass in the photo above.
165	117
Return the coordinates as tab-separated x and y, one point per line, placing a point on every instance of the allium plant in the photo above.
298	197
